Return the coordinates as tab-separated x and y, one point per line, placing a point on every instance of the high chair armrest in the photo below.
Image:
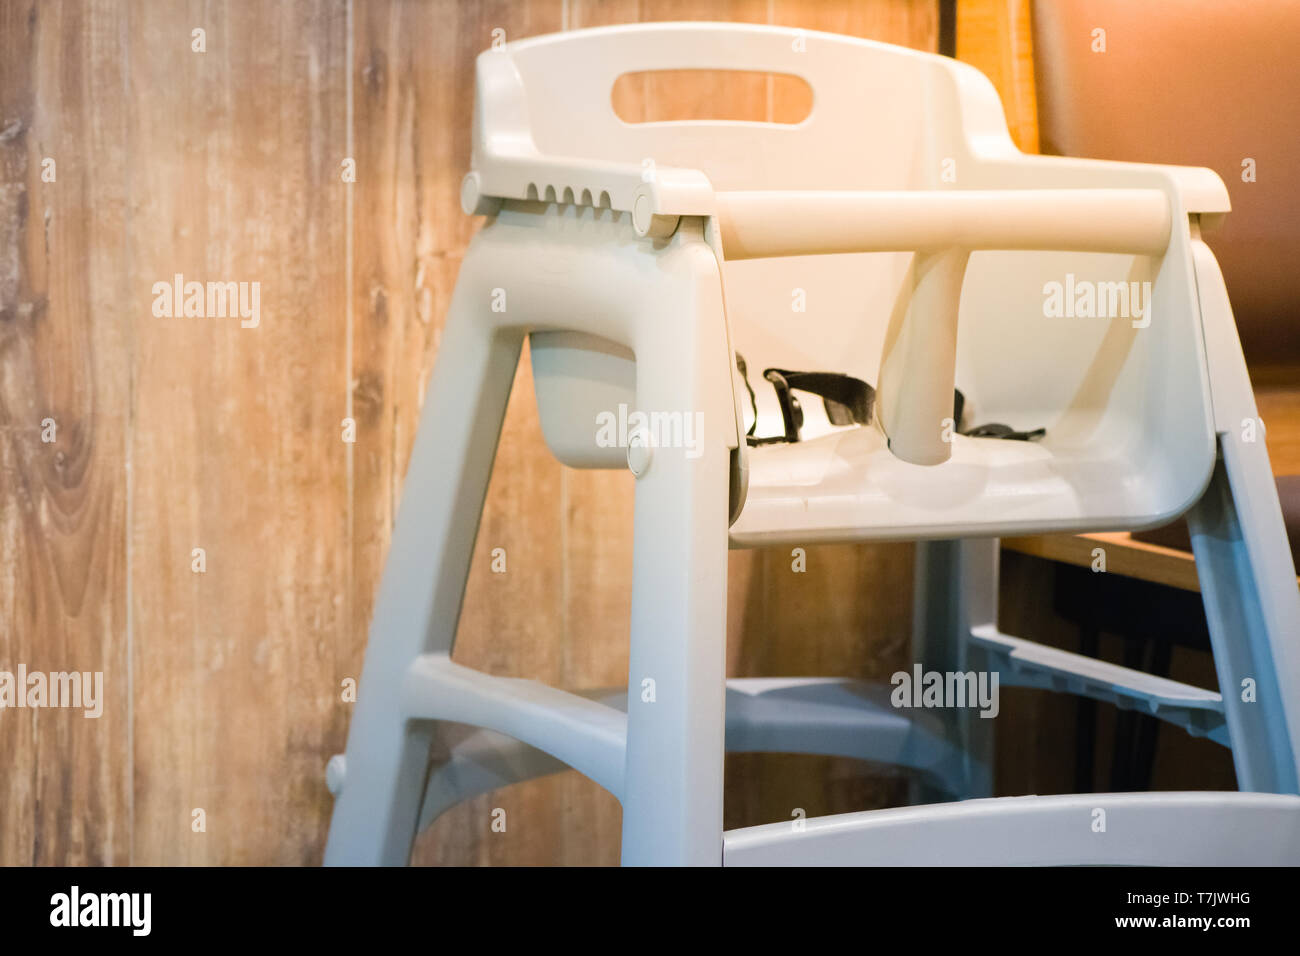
942	227
1199	190
621	186
794	223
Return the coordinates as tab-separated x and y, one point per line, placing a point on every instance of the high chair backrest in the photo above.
1129	386
545	127
558	89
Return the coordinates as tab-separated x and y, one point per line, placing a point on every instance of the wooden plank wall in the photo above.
65	354
223	686
995	37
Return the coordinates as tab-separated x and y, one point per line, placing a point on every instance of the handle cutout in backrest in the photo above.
696	95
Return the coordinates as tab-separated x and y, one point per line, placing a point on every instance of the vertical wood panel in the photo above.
994	36
64	792
413	71
235	175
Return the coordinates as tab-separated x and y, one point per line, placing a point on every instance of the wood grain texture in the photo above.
994	36
1124	556
65	792
1277	398
237	445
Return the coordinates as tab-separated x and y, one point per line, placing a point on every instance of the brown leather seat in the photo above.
1196	83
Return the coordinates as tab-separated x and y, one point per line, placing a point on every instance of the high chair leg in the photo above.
672	808
672	803
1247	607
376	812
1247	576
955	591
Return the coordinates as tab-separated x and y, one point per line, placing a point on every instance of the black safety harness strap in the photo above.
848	401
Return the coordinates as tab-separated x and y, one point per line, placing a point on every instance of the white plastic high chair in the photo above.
639	258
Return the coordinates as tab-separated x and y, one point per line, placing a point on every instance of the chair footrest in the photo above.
585	734
526	729
839	717
1024	663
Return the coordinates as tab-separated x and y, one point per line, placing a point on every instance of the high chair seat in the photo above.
847	486
896	236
